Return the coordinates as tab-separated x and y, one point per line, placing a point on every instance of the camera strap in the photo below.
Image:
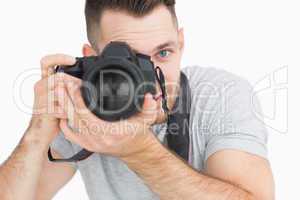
177	138
177	120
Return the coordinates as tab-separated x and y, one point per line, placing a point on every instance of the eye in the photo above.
164	53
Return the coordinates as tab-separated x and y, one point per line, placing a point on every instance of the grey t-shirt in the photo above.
222	117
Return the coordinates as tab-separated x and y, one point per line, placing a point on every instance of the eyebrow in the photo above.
164	45
159	47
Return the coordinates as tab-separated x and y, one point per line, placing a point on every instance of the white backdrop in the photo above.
256	39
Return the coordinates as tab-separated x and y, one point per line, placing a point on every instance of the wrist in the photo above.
39	133
32	137
152	150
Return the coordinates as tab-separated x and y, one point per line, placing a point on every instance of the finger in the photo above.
68	132
150	105
149	111
59	113
71	135
44	103
65	103
50	61
58	110
68	79
81	109
54	80
48	83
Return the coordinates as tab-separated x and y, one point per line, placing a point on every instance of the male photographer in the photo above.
227	156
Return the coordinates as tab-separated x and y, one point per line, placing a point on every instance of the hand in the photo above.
121	139
44	124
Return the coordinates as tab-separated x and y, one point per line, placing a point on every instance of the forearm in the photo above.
19	174
172	178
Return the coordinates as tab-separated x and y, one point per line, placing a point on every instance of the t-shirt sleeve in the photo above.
233	122
63	147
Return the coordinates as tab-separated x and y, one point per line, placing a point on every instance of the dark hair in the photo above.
95	8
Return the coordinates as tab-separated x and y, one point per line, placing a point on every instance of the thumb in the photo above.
149	110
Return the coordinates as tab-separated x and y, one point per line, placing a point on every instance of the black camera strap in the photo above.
177	138
178	122
81	155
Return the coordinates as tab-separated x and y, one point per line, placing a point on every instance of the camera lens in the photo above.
115	90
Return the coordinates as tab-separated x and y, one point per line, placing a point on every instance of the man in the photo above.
227	143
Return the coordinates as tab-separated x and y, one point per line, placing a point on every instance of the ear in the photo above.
87	50
181	39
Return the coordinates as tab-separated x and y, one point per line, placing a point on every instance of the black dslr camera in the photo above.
115	82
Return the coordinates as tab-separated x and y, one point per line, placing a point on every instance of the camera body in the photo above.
115	82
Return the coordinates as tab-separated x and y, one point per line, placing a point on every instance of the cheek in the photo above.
171	71
171	68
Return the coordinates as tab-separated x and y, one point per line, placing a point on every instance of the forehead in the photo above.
143	34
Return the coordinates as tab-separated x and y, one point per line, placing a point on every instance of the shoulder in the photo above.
211	87
223	102
224	111
213	78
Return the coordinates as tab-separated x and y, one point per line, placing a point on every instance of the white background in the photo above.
253	39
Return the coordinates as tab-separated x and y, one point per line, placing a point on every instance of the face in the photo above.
155	35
